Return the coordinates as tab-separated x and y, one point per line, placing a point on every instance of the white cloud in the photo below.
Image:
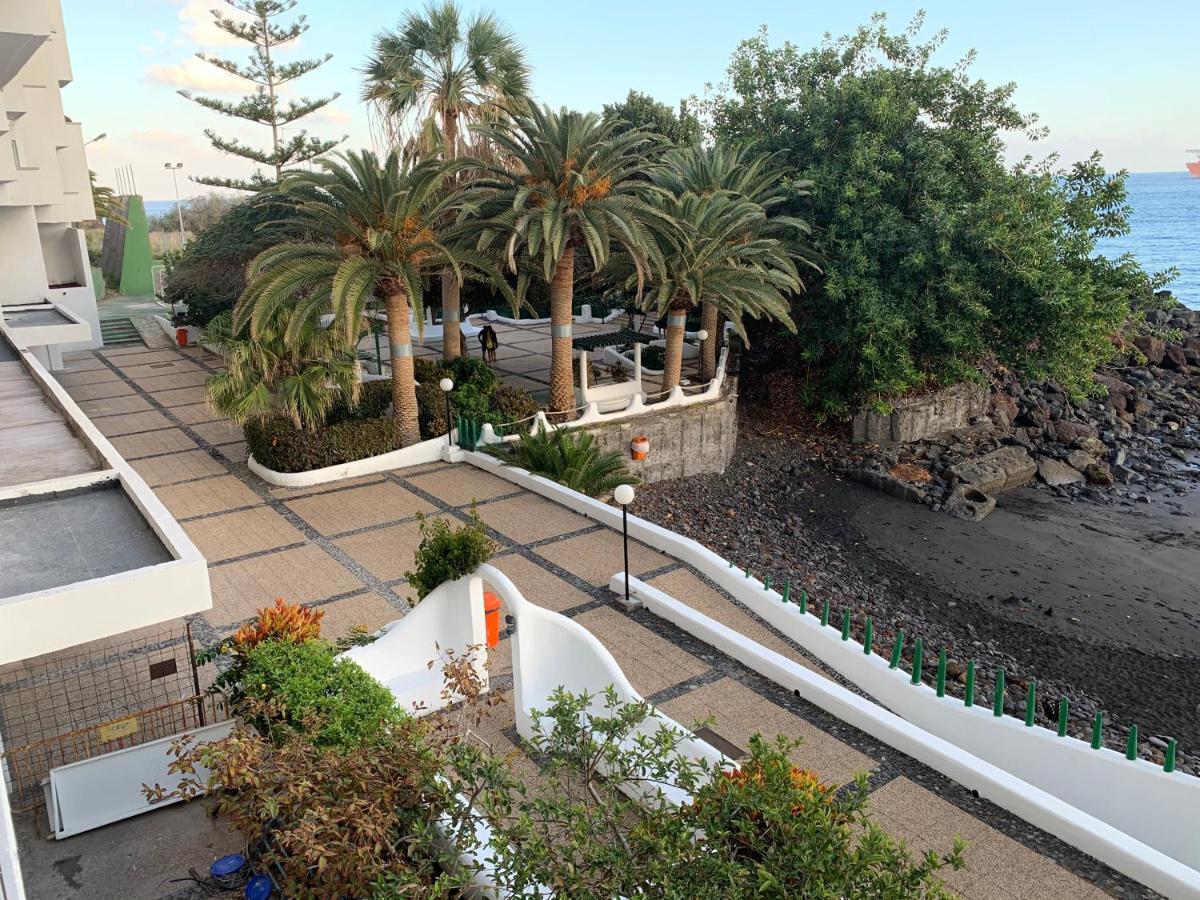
196	23
196	74
329	115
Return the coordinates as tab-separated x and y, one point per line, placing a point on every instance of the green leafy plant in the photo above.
447	553
268	375
297	683
936	255
277	445
568	457
654	356
765	829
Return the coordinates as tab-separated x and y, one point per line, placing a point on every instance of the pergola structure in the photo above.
610	396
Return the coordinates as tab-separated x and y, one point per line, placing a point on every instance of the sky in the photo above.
1116	77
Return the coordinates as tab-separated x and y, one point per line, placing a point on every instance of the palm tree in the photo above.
444	79
758	177
375	231
719	256
108	205
568	185
266	375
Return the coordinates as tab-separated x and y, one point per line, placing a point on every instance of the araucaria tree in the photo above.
375	230
568	185
263	107
438	76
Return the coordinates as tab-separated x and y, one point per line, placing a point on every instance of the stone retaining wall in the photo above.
684	440
915	418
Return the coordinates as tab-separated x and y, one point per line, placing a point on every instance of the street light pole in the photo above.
175	167
447	386
624	496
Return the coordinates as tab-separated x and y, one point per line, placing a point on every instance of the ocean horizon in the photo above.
1165	228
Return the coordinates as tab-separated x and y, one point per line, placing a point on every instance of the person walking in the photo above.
489	342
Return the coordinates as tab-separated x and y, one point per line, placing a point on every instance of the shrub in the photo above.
937	254
275	444
568	457
330	822
210	273
764	830
654	356
478	395
512	404
306	686
373	402
289	622
446	554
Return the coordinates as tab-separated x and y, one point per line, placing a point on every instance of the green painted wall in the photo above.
136	278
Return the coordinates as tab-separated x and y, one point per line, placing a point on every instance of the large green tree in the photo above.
639	110
375	231
568	185
937	255
256	26
439	76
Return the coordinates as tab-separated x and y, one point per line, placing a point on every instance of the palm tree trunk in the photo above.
451	313
562	375
404	385
709	321
676	321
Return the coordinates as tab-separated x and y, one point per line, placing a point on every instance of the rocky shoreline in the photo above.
1137	437
1077	581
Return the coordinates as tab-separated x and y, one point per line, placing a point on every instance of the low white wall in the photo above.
1170	822
193	331
586	319
1002	787
407	658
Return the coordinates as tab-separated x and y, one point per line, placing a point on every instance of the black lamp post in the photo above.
624	496
447	386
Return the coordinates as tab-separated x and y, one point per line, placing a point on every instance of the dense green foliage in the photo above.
446	553
277	445
266	376
639	110
568	457
765	829
210	273
303	682
938	257
478	395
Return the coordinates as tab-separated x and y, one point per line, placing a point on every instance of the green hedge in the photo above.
307	681
279	446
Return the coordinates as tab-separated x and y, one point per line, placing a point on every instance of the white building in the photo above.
44	187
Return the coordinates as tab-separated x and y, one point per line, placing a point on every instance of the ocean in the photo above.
1165	229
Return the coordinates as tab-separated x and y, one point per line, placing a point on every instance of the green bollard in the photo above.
1030	704
868	636
916	673
1131	743
1064	708
803	601
747	571
787	592
1169	757
767	583
941	673
897	646
825	614
1097	729
846	625
969	696
998	700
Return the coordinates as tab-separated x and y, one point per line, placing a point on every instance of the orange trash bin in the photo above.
491	614
181	337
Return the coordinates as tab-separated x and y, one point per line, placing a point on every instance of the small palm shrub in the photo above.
446	553
569	457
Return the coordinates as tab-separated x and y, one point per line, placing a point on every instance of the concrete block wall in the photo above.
922	416
687	440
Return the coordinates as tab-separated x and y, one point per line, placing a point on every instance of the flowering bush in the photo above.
283	621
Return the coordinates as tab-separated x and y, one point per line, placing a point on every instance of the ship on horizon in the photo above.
1194	165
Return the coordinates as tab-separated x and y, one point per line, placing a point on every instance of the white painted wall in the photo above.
24	274
1159	810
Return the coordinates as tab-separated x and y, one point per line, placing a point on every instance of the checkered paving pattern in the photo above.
344	548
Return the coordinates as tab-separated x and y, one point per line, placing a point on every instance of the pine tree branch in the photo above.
298	109
237	148
293	70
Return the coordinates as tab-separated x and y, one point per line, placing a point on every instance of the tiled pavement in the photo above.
344	548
